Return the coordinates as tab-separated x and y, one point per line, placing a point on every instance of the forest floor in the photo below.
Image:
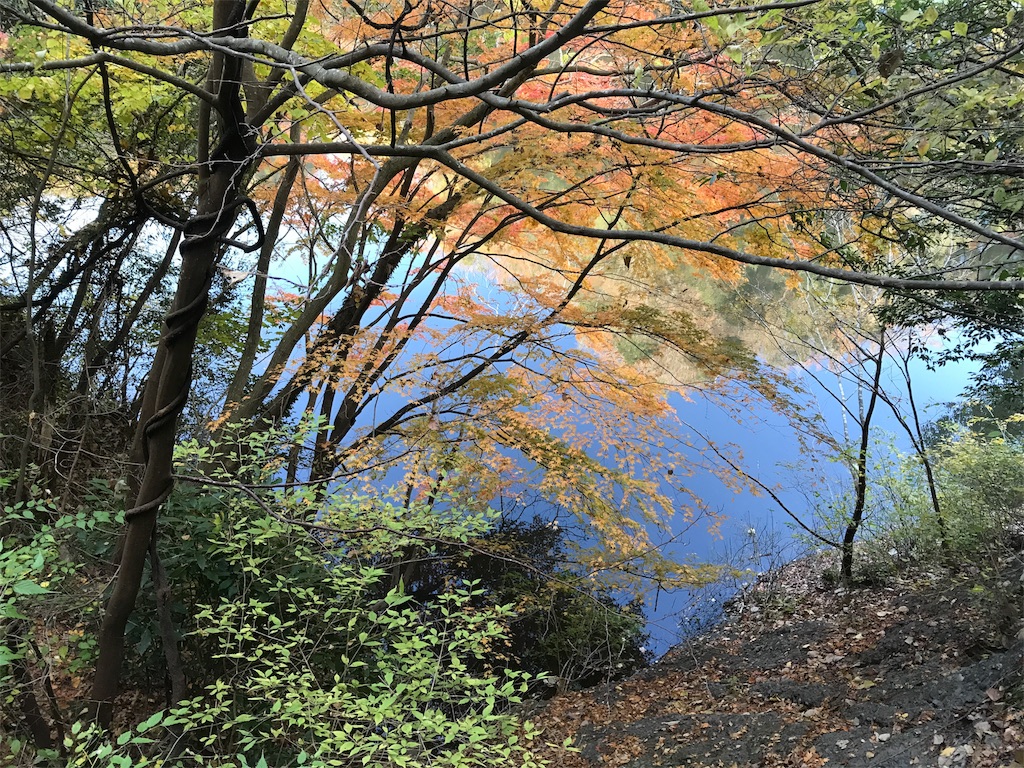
923	669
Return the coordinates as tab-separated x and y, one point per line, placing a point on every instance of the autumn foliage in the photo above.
465	251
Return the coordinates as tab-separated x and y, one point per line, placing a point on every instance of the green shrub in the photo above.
980	487
567	628
316	671
299	650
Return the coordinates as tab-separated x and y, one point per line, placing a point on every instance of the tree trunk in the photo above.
170	378
31	713
917	437
846	568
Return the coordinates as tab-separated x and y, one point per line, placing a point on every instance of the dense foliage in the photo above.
295	646
567	631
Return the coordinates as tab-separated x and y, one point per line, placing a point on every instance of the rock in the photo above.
805	694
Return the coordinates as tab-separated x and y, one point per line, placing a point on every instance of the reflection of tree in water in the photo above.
687	329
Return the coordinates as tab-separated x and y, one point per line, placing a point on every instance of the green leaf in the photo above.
931	15
26	587
148	723
10	611
960	28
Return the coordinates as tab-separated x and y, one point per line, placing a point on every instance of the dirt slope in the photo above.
926	669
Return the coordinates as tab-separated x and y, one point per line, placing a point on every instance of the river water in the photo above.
756	533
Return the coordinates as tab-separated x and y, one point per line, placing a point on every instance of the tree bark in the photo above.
917	438
239	382
846	567
34	719
170	378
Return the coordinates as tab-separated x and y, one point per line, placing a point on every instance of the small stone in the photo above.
883	737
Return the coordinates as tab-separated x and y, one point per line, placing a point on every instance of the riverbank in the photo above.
923	668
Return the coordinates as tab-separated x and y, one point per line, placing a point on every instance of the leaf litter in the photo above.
924	669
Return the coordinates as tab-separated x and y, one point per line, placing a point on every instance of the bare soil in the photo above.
923	669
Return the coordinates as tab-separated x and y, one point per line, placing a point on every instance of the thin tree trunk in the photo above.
922	455
33	716
846	567
168	633
254	333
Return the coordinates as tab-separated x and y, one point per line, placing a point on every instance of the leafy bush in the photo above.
35	580
567	628
299	650
315	671
981	488
979	480
980	485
